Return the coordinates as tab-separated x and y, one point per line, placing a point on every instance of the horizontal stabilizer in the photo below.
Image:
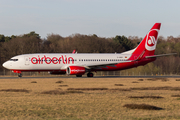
161	55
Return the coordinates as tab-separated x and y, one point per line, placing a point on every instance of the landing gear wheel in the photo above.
78	75
19	75
90	75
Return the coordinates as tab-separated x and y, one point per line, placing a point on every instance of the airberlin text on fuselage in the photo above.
54	60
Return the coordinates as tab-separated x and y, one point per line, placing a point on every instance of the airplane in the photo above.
80	63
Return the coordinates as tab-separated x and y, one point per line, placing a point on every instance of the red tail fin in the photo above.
148	44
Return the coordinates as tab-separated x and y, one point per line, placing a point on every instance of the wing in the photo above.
105	65
100	66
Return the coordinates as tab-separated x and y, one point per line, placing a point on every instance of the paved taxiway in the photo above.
37	77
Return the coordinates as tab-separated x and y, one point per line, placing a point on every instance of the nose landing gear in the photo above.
20	75
19	72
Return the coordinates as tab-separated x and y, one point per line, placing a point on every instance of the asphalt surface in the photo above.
38	77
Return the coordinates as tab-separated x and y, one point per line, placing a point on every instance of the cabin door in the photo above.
26	60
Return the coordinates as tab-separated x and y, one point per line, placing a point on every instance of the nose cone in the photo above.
5	65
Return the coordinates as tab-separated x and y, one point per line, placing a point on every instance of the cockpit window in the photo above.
13	60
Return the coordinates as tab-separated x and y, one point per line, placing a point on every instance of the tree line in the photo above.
54	43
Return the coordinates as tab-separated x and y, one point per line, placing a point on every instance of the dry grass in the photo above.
63	85
175	95
33	82
155	79
142	106
54	92
15	90
153	88
58	92
135	82
120	89
140	80
142	97
89	89
128	89
59	82
90	98
118	84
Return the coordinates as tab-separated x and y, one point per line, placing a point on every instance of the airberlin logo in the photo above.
151	40
77	70
53	60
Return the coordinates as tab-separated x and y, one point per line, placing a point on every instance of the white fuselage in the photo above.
55	61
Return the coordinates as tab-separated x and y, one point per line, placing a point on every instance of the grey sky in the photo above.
106	18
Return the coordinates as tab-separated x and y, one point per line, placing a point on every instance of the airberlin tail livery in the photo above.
78	64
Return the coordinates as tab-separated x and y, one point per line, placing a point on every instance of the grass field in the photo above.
90	98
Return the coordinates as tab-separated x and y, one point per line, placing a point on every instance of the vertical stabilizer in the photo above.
148	44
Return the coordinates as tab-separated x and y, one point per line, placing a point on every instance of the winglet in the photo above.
74	51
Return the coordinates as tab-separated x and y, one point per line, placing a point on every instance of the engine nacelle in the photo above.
57	72
75	70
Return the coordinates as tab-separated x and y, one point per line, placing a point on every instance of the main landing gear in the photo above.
90	74
78	75
20	75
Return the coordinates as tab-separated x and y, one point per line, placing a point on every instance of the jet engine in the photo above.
75	70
